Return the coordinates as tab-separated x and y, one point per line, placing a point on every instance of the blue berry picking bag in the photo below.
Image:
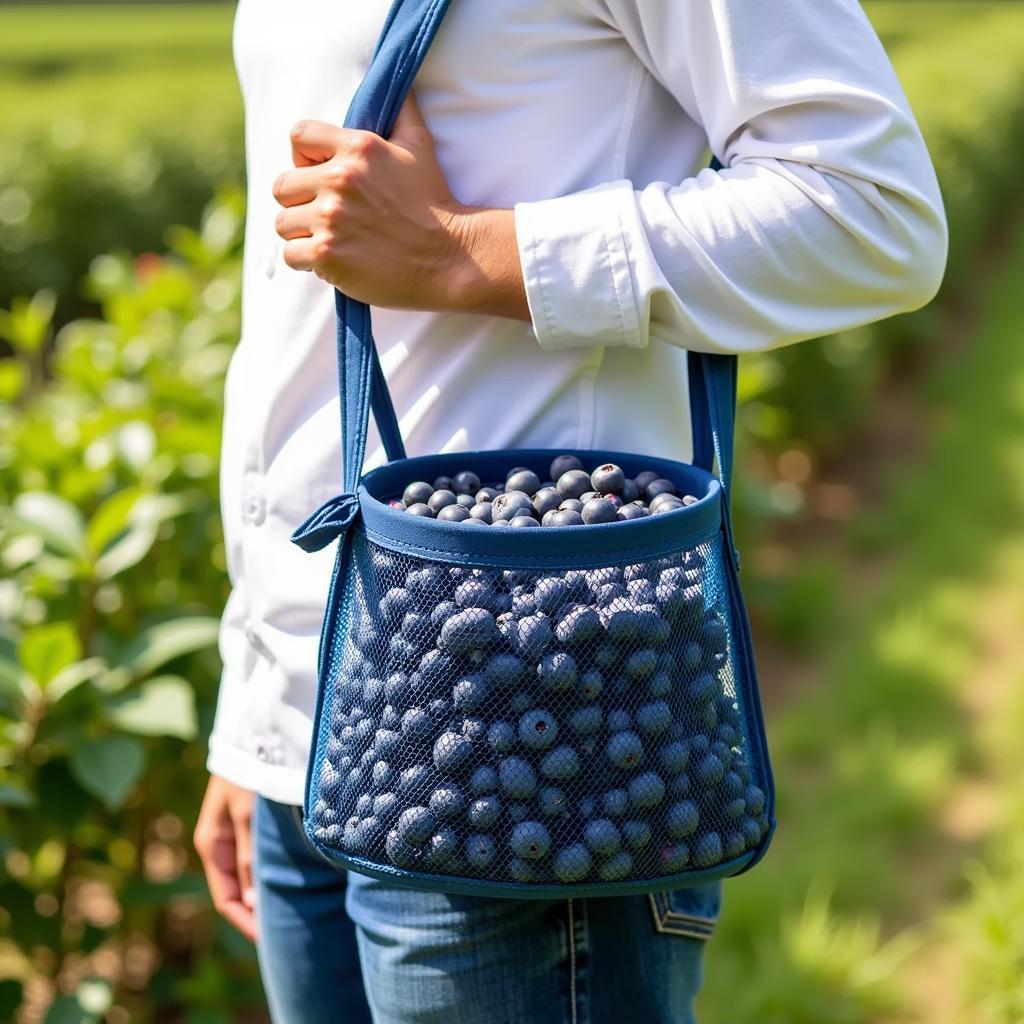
535	713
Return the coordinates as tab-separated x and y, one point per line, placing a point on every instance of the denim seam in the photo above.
671	922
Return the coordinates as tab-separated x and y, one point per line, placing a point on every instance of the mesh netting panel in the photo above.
526	726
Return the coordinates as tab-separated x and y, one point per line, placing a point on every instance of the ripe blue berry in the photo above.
618	720
400	852
660	684
621	625
557	671
482	512
441	499
682	819
483	781
597	511
615	803
395	604
501	737
707	850
659	486
587	495
387	743
572	483
587	719
484	812
608	479
510	504
710	771
566	517
470	630
602	837
504	671
538	729
535	636
382	776
452	752
616	868
641	664
480	851
552	801
466	482
648	476
386	807
580	625
591	684
560	764
516	778
673	857
571	505
673	756
521	870
417	493
632	510
646	790
754	799
751	831
630	492
625	750
442	848
562	464
547	499
525	480
487	494
471	693
523	521
654	718
446	802
572	864
637	834
443	483
550	593
530	840
416	725
420	509
416	824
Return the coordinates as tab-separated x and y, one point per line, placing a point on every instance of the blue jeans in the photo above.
346	949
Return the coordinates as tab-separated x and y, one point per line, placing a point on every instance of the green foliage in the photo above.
113	581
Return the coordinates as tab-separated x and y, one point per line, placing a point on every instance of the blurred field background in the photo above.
880	517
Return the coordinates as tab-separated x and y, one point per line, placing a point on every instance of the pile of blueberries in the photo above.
537	727
571	497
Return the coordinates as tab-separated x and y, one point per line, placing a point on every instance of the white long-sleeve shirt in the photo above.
590	118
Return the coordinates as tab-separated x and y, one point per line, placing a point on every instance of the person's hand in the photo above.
376	219
223	841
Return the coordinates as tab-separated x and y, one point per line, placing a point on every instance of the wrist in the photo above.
482	273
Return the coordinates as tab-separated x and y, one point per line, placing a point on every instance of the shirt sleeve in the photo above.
827	213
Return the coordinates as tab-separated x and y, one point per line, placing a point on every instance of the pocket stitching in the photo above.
672	922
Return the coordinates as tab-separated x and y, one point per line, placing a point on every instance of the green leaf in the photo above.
109	768
55	520
46	650
110	520
164	706
14	796
143	521
13	378
28	322
70	678
159	644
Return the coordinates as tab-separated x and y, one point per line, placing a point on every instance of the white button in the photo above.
251	633
254	506
261	751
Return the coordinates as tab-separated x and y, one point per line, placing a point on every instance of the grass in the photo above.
881	763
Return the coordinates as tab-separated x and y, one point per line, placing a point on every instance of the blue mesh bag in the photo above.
530	713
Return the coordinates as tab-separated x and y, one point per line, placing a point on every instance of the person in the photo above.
540	247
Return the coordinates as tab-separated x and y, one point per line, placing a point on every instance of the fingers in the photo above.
303	253
294	222
294	188
242	819
313	142
410	129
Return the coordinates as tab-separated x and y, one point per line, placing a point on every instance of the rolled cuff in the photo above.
575	256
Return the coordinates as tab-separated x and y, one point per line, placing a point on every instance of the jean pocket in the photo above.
691	912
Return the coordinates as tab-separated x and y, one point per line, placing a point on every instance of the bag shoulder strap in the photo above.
409	30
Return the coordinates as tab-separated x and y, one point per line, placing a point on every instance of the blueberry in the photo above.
501	737
722	752
625	750
547	499
728	734
580	625
387	743
587	719
452	752
373	693
616	868
735	808
572	864
673	756
588	495
751	831
466	501
437	669
504	671
443	483
587	807
552	801
516	812
691	656
400	852
382	775
453	514
482	511
557	671
660	684
484	812
530	840
525	480
521	702
550	593
474	729
538	729
659	486
416	725
446	802
442	848
699	744
618	720
570	505
466	482
648	476
673	858
516	778
608	479
597	511
714	635
470	693
510	504
394	605
483	781
417	493
621	625
470	630
562	464
682	819
487	494
566	517
414	782
440	500
416	824
606	656
637	834
754	798
477	593
641	664
441	612
590	684
641	590
535	636
654	718
682	606
363	805
547	518
523	521
707	850
560	764
615	803
602	837
632	510
521	870
572	483
630	492
710	771
480	851
646	790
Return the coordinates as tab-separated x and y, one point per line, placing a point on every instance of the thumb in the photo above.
410	130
